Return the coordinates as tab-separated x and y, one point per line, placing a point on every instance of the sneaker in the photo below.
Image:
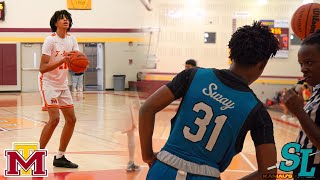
63	162
132	167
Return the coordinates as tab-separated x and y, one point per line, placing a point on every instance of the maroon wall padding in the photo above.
8	67
146	88
1	66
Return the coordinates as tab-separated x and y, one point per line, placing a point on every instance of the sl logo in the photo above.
295	159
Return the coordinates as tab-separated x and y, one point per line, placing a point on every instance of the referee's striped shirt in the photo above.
313	110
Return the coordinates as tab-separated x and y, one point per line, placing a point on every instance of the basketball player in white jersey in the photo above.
53	84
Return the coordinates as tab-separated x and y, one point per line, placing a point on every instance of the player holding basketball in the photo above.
217	111
53	82
309	114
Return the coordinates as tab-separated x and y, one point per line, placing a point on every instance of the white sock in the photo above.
59	155
131	145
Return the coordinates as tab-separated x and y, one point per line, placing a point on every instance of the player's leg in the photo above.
74	83
49	98
131	147
66	106
48	129
80	83
68	128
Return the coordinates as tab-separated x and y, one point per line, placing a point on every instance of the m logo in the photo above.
54	101
26	160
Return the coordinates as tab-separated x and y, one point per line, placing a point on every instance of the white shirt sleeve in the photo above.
48	46
75	44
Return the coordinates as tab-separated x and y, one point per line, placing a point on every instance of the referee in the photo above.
309	115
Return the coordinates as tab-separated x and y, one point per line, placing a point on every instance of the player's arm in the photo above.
155	103
262	134
310	128
266	157
295	105
46	65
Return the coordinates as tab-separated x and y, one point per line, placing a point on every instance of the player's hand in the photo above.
66	58
152	159
71	53
293	101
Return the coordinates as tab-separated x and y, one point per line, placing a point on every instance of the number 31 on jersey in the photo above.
203	123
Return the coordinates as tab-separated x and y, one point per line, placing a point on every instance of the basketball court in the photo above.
170	31
99	144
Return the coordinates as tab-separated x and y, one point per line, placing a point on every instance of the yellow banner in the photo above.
79	4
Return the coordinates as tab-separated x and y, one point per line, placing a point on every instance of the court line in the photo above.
61	126
284	122
25	118
248	161
287	130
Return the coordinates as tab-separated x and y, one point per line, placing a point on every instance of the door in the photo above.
31	57
94	76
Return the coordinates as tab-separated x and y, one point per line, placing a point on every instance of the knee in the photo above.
71	120
54	122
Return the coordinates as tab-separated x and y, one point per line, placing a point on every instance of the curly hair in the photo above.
312	39
57	16
250	45
191	62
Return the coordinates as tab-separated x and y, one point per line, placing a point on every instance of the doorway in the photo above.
94	76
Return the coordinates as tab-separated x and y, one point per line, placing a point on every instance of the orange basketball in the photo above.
78	62
306	20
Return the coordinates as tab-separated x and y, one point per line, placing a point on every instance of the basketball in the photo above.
305	20
78	62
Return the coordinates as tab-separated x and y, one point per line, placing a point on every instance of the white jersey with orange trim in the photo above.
55	47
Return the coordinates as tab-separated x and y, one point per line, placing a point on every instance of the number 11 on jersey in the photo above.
203	123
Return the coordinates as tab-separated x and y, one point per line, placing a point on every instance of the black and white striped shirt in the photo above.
312	108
